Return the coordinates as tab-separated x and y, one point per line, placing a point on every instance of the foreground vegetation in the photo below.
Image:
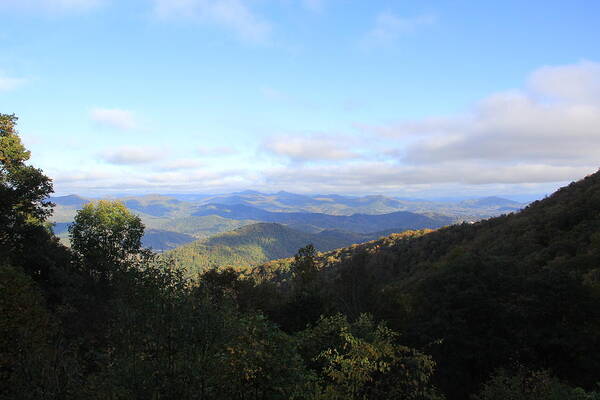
503	309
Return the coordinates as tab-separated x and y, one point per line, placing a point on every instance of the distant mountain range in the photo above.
360	223
172	220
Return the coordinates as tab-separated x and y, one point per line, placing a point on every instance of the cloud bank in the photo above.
554	121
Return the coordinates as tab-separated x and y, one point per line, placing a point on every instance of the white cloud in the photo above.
575	82
101	182
114	118
129	155
546	132
389	27
556	121
234	15
8	83
314	147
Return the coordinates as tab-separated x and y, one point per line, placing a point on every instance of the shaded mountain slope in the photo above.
161	240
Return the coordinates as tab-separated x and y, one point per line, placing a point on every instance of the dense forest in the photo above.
506	308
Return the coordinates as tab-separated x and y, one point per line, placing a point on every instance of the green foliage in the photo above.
107	236
530	385
261	362
23	190
34	364
304	266
362	360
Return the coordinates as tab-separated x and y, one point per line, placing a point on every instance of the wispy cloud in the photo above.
389	27
8	83
313	147
114	118
97	182
130	155
233	15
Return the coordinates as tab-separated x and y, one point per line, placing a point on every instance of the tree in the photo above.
304	266
24	190
108	237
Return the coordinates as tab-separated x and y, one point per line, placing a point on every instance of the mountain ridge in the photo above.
256	243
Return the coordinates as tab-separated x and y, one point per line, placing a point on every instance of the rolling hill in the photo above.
254	244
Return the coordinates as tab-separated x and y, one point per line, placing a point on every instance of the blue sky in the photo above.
421	99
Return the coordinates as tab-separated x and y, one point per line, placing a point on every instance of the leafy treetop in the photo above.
107	236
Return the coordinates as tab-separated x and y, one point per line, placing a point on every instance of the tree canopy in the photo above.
24	190
107	236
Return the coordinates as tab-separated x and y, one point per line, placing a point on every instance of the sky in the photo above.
423	99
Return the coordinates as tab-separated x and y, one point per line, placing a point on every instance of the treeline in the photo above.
499	310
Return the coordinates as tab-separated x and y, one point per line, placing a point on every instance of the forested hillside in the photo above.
254	244
518	289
